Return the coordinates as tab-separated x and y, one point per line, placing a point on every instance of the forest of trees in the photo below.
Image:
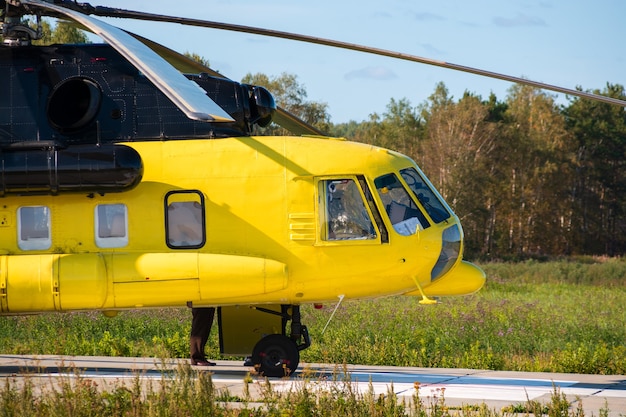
527	177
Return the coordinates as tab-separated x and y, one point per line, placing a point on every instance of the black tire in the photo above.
275	356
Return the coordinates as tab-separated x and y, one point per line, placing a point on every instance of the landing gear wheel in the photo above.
276	356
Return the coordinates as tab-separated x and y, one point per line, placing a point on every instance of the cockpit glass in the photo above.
425	195
404	214
346	216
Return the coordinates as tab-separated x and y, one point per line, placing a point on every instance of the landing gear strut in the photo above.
262	330
278	355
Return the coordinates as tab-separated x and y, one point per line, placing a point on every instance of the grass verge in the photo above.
187	392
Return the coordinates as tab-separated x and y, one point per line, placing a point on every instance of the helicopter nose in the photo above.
464	279
450	251
451	276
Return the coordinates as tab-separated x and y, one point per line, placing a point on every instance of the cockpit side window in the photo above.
425	195
185	220
384	235
344	214
406	218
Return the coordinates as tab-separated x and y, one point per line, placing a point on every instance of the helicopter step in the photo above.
262	330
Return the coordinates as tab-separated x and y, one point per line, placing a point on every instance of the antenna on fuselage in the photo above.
341	297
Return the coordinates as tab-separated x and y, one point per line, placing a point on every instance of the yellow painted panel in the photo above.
230	276
241	327
128	267
155	293
82	281
32	283
190	276
154	279
6	219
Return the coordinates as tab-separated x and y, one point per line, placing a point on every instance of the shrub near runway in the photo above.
560	316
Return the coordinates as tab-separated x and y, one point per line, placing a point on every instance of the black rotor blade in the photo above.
130	14
185	64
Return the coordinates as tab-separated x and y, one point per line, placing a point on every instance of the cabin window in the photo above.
345	216
111	221
33	228
406	218
185	219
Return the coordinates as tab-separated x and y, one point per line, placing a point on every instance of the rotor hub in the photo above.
14	31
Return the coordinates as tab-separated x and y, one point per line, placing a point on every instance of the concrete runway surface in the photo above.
496	389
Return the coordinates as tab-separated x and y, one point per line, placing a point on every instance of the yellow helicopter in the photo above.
125	184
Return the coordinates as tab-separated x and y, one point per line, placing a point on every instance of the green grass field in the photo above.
562	316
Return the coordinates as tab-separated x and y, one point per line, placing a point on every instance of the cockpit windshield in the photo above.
425	195
404	214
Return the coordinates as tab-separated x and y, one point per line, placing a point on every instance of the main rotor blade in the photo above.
129	14
185	64
186	95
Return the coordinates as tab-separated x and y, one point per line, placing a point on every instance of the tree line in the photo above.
528	177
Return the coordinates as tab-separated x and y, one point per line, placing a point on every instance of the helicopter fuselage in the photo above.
245	220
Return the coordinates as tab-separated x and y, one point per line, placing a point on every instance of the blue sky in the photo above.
568	43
